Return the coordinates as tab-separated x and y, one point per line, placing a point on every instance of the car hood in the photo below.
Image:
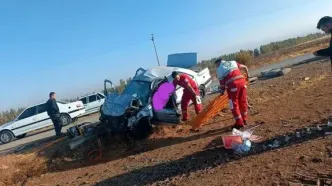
6	124
116	104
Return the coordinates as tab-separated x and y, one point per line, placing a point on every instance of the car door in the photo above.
179	91
42	116
26	122
86	104
93	103
100	99
170	113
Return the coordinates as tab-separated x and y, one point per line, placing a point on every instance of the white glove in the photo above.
198	100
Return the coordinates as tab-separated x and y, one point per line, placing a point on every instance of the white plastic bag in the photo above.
247	134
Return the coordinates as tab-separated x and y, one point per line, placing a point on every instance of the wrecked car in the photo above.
131	112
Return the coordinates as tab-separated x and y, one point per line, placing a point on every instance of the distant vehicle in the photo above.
36	117
182	60
93	103
132	112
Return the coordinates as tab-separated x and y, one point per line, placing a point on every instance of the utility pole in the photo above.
152	39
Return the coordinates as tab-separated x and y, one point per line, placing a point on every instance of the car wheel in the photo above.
202	91
66	119
21	136
142	130
6	136
74	119
101	109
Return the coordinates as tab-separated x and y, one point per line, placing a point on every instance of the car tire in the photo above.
21	136
6	136
101	109
65	119
202	91
74	119
142	130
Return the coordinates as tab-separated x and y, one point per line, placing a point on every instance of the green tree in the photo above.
256	52
244	57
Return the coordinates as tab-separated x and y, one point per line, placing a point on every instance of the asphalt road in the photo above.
44	133
285	63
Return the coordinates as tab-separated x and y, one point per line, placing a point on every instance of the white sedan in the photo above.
93	103
36	117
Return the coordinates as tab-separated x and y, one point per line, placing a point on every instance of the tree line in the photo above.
246	55
9	115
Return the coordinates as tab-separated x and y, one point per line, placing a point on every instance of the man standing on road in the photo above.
231	78
190	92
54	113
325	24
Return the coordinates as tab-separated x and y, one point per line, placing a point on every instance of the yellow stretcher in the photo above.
210	110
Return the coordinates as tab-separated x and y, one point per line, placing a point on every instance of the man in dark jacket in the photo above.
54	113
325	24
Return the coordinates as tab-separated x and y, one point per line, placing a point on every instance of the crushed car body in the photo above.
132	112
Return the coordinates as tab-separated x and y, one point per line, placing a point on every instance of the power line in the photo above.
266	12
132	43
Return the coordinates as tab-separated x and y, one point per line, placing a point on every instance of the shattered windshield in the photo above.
139	88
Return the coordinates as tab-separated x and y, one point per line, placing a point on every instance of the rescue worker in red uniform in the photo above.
190	92
231	79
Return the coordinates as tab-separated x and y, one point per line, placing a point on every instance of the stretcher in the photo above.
212	109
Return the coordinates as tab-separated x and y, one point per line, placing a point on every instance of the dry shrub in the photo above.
15	169
244	58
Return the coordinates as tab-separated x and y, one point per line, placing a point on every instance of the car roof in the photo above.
41	103
158	72
91	95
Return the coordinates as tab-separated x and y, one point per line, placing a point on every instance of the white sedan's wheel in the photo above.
66	120
6	136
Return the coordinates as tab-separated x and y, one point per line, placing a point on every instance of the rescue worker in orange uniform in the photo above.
231	80
190	92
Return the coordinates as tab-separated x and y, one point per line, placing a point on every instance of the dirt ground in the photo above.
172	156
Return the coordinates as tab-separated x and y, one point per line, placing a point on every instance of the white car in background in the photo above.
36	117
93	103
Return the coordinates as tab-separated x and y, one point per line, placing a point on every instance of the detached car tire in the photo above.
6	136
65	119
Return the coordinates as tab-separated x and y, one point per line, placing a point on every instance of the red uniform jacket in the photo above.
183	82
230	75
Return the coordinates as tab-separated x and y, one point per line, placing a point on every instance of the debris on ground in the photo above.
306	78
240	141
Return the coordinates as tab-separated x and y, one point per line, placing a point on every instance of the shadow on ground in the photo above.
116	150
212	157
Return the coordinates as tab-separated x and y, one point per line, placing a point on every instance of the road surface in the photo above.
43	134
285	63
